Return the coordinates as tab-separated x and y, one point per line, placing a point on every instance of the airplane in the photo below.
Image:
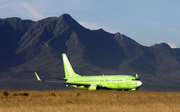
112	82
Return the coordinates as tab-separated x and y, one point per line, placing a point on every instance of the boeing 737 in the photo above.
114	82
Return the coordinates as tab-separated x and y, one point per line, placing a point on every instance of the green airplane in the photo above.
114	82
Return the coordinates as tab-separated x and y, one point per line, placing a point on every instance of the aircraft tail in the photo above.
69	72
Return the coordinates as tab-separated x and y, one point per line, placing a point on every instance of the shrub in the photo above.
21	94
15	94
78	94
53	94
25	94
5	93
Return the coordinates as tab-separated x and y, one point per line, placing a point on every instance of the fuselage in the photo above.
108	81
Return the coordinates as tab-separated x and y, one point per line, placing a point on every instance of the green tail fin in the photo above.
69	72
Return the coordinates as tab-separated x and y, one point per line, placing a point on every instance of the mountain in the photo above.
11	30
28	46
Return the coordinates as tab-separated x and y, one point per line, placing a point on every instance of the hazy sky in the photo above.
148	22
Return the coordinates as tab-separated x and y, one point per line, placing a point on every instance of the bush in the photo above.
15	94
5	93
78	94
53	94
25	94
21	94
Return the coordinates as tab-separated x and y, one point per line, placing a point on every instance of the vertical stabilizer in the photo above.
69	72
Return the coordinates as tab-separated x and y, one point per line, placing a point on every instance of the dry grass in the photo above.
89	101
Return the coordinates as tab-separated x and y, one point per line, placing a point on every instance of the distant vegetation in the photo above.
89	101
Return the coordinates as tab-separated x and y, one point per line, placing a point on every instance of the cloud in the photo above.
171	30
30	11
2	7
147	45
172	45
22	8
154	23
95	26
90	25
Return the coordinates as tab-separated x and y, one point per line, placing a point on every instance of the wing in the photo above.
77	84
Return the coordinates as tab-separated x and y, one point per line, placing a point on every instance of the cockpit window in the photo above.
135	79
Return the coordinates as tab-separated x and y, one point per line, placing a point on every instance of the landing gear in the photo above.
123	89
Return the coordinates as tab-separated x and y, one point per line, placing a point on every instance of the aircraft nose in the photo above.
139	83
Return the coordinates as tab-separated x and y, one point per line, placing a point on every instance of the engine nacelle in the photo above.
93	87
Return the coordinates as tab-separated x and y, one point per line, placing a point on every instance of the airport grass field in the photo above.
89	101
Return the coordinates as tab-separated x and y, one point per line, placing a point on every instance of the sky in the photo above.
148	22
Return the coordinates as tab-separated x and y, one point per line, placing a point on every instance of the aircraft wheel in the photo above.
119	89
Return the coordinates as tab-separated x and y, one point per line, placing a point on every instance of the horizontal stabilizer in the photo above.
37	77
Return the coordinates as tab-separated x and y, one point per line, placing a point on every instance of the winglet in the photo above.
37	76
137	75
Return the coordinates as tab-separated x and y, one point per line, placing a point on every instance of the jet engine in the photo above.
94	87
